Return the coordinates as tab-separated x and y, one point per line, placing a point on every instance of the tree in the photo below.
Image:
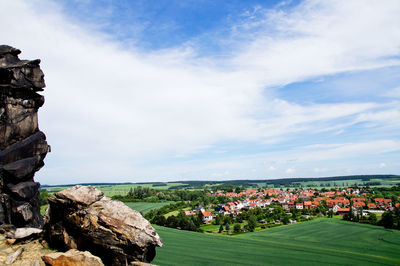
227	227
200	216
191	226
218	219
387	219
221	228
43	198
252	223
372	218
227	220
172	222
236	228
159	220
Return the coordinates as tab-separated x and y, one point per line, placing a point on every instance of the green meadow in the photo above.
322	241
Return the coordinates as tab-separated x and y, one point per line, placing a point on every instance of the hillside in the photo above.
322	241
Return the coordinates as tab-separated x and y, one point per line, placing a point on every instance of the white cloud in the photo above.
220	175
395	93
320	170
109	109
290	171
323	37
350	150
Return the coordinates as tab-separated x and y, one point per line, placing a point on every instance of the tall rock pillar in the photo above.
22	145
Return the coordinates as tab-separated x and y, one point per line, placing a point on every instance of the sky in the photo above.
146	90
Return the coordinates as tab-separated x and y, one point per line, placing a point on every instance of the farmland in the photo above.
145	207
117	189
321	241
142	207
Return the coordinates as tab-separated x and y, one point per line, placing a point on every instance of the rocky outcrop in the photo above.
22	145
82	218
72	257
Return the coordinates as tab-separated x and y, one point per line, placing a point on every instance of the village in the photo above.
355	201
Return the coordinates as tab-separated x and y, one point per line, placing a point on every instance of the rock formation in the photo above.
72	257
22	145
82	218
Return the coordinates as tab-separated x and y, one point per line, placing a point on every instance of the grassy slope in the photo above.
323	241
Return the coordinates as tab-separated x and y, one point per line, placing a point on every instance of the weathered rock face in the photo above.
22	146
82	218
72	257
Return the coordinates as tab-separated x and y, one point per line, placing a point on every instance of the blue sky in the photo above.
213	90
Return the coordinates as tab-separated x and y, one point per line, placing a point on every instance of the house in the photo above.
239	205
358	205
314	204
307	205
383	203
342	211
335	208
199	209
341	201
371	206
207	217
219	209
187	213
246	202
299	206
268	202
252	205
231	205
358	199
328	194
282	200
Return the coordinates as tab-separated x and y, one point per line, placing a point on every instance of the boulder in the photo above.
23	146
82	218
23	233
72	257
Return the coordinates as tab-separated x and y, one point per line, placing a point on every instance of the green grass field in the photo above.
111	190
145	207
385	182
322	241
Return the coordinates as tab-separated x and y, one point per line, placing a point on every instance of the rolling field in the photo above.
111	190
385	182
322	241
145	207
